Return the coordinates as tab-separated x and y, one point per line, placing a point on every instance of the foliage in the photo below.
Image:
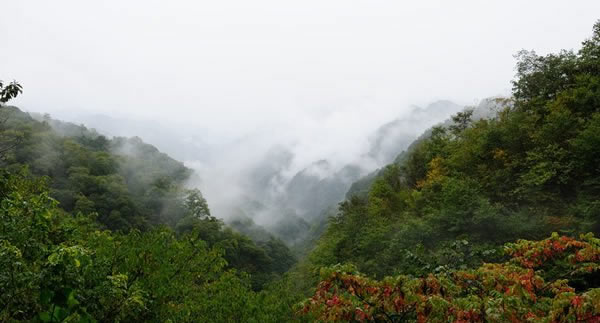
529	171
519	290
77	271
128	183
430	232
9	91
55	267
8	139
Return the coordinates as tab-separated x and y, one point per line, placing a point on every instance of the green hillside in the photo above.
480	220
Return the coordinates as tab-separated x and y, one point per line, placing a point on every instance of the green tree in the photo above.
9	91
8	139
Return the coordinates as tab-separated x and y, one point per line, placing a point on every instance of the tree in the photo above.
9	91
55	267
8	140
461	121
196	205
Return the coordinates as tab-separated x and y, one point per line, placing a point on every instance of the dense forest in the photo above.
480	219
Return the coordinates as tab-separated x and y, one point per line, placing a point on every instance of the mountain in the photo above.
128	183
181	144
296	208
393	137
486	109
490	215
291	202
317	187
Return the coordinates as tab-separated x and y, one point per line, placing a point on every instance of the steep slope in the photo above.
463	189
486	109
393	137
297	206
125	184
436	222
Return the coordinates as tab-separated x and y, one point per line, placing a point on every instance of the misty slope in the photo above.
443	233
124	184
127	182
295	208
486	109
430	236
320	186
314	188
176	142
468	186
290	203
131	184
392	138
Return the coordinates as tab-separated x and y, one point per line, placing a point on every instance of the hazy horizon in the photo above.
229	68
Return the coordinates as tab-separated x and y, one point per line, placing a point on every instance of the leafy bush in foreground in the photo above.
552	280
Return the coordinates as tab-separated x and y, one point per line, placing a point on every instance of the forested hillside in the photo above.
125	184
128	183
461	192
58	267
482	219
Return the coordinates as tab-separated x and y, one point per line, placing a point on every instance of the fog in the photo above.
230	87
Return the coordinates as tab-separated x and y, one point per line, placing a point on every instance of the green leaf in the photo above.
44	317
71	301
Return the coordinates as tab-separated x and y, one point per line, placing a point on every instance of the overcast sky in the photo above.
307	69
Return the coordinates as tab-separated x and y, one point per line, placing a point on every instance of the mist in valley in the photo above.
308	161
277	109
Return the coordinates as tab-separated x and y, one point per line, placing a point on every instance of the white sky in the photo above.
322	72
